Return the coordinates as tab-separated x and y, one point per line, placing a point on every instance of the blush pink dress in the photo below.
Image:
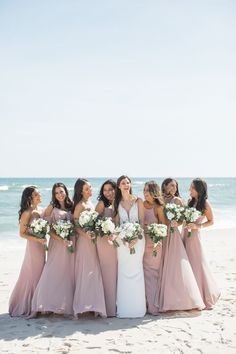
151	264
31	270
107	255
178	289
89	291
206	283
55	289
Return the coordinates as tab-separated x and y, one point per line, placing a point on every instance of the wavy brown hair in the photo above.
166	182
78	191
26	199
201	187
155	192
101	196
54	201
118	195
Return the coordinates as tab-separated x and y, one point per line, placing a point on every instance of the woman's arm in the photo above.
208	213
100	208
159	211
24	220
140	212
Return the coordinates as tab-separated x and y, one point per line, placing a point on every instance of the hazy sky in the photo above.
102	88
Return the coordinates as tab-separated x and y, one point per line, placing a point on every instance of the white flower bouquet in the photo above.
87	221
64	229
105	227
157	232
190	216
129	232
174	212
39	228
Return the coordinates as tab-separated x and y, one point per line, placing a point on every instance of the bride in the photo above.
130	285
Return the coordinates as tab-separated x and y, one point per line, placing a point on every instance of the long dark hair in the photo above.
118	195
78	191
201	188
155	192
166	182
26	199
101	196
54	201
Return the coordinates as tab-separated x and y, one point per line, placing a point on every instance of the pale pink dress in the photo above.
31	269
178	289
151	264
107	255
55	289
206	283
89	292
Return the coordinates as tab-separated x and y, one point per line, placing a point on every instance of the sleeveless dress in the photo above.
178	289
107	255
206	283
89	292
31	270
130	285
55	289
151	264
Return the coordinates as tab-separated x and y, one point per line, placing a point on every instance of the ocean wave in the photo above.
4	188
217	185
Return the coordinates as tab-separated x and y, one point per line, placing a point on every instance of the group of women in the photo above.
109	281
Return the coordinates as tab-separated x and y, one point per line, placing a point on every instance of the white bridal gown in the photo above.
130	286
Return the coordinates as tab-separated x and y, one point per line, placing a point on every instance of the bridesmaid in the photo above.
178	289
130	284
107	253
206	283
89	292
34	260
55	290
153	213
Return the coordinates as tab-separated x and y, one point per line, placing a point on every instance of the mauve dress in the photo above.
89	292
178	289
31	270
107	255
55	289
151	264
206	283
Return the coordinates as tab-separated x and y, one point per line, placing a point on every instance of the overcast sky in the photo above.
102	88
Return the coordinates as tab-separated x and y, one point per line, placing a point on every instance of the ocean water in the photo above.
222	196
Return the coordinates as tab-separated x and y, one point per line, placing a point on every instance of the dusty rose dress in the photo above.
178	289
89	292
55	289
206	283
107	255
151	264
31	269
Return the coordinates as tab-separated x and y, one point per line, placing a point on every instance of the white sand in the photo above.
182	332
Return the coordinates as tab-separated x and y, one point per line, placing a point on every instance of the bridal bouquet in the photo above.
64	229
87	222
39	228
157	232
174	212
191	215
105	227
128	232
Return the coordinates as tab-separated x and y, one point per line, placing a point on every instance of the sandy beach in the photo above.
180	332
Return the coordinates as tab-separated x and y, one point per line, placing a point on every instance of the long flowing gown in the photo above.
178	289
89	291
130	286
205	280
31	270
107	255
55	289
